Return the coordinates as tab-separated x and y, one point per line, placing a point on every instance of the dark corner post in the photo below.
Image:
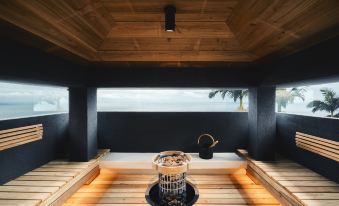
262	123
83	123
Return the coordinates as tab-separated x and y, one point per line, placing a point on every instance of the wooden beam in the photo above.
173	56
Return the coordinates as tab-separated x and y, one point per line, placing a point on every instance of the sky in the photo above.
26	93
27	100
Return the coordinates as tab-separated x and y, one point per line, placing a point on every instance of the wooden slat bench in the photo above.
51	184
293	184
21	135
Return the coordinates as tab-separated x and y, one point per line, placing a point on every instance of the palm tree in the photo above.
330	103
234	94
285	96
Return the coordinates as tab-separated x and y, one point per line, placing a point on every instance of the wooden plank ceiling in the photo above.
206	30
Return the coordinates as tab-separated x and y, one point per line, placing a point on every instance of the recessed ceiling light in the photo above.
170	18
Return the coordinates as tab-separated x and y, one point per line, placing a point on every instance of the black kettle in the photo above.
206	148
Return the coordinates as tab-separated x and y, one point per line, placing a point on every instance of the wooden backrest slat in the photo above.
19	132
318	151
17	136
318	138
320	148
317	142
318	145
19	140
20	136
20	128
20	143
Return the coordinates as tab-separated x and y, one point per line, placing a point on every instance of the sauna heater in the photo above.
172	189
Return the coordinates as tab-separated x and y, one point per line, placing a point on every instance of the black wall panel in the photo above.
83	123
317	64
289	124
111	76
158	131
262	123
21	159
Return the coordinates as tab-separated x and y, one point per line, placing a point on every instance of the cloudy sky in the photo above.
26	93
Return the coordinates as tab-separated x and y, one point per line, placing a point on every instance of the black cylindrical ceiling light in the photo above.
170	18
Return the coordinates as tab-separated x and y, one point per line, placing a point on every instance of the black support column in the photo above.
82	123
262	123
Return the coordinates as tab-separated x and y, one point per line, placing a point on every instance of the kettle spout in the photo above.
214	143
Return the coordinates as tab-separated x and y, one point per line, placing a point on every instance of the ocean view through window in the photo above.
25	100
321	100
172	100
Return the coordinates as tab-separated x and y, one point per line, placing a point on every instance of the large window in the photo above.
320	100
22	100
172	100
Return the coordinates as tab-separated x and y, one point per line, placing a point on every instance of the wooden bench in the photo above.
291	183
324	147
21	135
50	184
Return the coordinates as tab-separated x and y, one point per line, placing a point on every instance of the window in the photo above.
320	100
172	100
22	100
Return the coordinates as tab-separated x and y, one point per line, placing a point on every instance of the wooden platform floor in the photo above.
128	189
308	187
47	184
300	186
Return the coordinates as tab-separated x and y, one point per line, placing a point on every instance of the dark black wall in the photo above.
319	63
289	124
20	61
158	131
240	76
21	159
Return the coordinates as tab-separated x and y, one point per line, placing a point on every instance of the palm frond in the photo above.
318	106
233	94
213	93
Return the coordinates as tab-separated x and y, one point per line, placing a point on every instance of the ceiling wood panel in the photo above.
157	6
174	56
182	30
169	44
206	30
159	17
20	16
148	44
279	26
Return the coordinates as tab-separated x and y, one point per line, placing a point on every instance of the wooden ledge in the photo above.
138	163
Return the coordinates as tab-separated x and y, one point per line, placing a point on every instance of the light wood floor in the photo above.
114	189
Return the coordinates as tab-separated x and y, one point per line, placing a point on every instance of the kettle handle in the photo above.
208	135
